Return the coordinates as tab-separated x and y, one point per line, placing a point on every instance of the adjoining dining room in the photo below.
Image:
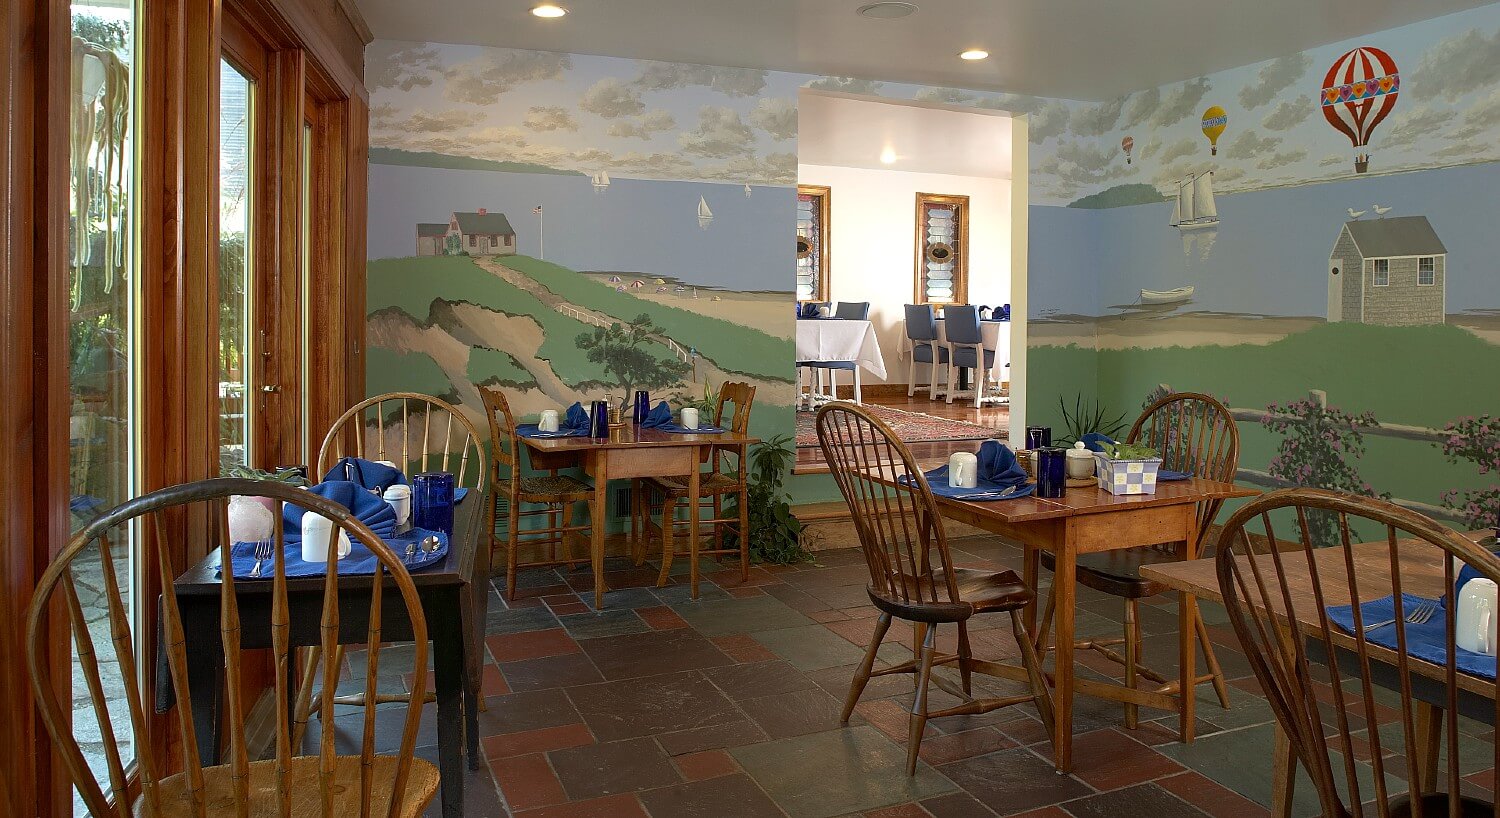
806	408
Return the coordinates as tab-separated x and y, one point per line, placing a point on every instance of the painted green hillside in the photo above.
428	159
1120	196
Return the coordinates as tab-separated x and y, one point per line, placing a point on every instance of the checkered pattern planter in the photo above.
1127	476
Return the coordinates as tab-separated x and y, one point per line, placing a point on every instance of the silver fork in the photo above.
1418	616
263	552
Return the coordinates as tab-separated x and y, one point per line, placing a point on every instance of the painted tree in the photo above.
1318	442
1477	440
623	352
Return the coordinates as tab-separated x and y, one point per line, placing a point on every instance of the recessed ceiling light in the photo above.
888	156
974	54
889	10
549	10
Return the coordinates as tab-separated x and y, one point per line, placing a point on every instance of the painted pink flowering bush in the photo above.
1317	444
1475	439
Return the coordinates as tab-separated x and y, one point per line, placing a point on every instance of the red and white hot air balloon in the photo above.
1359	92
1126	144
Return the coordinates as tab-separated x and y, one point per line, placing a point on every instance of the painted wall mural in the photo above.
1329	273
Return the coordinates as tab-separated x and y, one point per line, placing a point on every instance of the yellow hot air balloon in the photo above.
1214	121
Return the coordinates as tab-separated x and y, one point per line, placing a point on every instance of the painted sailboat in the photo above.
705	216
1195	208
1167	296
600	181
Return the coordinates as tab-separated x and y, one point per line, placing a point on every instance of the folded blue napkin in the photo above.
371	510
573	423
1094	442
361	560
998	472
1427	641
660	419
373	476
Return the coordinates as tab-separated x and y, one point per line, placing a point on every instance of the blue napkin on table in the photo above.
660	419
373	476
1427	641
1094	442
371	510
360	560
999	471
573	423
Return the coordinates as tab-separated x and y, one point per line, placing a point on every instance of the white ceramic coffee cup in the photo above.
316	531
1475	626
548	423
399	498
689	417
963	470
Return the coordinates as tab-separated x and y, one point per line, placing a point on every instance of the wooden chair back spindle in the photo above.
735	398
430	434
1196	434
900	530
199	790
1326	685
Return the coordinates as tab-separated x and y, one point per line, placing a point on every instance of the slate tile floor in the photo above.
729	707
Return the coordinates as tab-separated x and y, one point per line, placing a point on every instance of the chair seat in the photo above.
1118	573
964	357
1437	804
303	781
922	353
843	365
979	591
546	488
711	483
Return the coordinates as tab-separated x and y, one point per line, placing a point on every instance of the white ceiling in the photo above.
1074	49
847	131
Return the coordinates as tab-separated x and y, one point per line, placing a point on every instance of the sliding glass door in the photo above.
237	102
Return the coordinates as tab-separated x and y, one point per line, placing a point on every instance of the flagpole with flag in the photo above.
541	234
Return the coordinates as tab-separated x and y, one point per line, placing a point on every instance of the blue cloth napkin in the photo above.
373	511
1094	442
367	473
998	472
360	560
660	419
1168	475
573	423
1427	641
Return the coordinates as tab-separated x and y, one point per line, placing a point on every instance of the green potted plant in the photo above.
776	535
1125	468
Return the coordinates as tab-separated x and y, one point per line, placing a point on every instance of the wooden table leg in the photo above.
597	523
694	497
1283	775
447	634
1429	729
1063	587
1187	657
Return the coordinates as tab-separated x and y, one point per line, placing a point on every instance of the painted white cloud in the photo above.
1148	147
720	134
550	118
1481	118
422	121
482	80
610	98
1177	150
1405	128
947	96
1014	103
1097	120
1281	159
1048	121
1179	102
1273	78
1457	66
1288	114
644	126
848	85
1140	106
1332	159
1249	144
734	82
392	64
776	116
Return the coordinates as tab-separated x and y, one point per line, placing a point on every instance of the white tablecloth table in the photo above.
996	335
832	339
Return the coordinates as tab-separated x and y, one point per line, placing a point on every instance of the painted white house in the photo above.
1388	271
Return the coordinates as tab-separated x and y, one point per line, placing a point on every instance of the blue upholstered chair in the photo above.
846	311
966	347
921	330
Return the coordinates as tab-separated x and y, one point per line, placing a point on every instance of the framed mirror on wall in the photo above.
813	229
942	249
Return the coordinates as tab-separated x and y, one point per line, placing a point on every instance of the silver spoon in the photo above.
431	543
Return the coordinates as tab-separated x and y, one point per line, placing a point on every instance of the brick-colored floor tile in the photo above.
566	608
1109	760
707	764
492	682
1211	797
513	647
661	618
744	649
528	782
509	745
943	749
622	805
829	615
900	811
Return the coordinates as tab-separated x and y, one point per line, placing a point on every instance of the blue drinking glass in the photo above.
1038	437
1051	472
432	501
599	420
642	406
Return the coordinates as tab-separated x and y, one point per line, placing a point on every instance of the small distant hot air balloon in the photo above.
1359	91
1126	144
1214	122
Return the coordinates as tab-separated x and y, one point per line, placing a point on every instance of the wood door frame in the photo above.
824	197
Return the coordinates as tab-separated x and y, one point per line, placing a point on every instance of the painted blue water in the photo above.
636	226
1271	253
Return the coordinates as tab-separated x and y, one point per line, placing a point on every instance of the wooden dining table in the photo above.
1089	520
630	452
1422	574
452	603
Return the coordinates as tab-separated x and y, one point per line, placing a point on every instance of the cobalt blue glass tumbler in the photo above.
1051	472
432	495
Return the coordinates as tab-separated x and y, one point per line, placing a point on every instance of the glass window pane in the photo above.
101	332
305	299
236	105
